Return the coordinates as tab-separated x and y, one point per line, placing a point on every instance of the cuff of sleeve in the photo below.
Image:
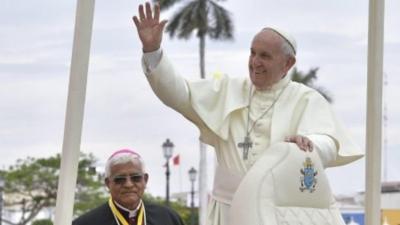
150	60
325	147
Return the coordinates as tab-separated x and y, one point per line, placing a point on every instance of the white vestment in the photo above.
219	108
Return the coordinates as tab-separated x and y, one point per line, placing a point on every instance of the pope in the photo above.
242	117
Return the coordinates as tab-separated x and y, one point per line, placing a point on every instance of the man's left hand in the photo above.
304	143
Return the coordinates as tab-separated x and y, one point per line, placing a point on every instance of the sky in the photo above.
122	112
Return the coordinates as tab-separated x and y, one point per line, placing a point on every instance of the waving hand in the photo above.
149	27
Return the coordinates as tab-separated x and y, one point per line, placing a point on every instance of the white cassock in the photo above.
219	108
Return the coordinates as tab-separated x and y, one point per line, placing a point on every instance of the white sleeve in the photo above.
171	88
151	60
325	147
168	85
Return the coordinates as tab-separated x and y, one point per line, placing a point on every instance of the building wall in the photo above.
390	216
390	200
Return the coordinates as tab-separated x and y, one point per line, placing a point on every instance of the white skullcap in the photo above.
285	35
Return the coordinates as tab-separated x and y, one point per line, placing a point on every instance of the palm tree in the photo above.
207	19
204	17
308	80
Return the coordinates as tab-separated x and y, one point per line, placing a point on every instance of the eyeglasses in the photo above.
135	178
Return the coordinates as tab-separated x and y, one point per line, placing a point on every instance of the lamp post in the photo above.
1	197
168	147
192	178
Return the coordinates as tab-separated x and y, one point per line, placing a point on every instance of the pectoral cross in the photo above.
246	145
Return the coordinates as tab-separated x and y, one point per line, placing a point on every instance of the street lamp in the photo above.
168	147
192	178
1	197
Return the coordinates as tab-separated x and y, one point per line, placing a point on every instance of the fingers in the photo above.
156	12
149	15
136	20
302	142
310	145
142	16
162	24
146	14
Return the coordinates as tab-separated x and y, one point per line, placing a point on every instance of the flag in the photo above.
176	160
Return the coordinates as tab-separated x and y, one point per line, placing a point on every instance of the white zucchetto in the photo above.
289	38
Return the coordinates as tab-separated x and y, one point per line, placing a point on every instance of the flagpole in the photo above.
374	112
74	112
176	161
203	184
180	175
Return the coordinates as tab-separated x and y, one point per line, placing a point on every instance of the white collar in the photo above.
132	213
275	87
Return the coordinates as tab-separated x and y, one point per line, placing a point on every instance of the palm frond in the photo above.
311	76
325	93
308	80
166	4
304	78
220	25
208	19
184	21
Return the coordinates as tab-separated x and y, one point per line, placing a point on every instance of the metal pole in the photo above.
203	202
74	112
374	112
1	205
167	173
192	204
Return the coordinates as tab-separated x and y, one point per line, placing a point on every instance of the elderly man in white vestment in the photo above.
242	117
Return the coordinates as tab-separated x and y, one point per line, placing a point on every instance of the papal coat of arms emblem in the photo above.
308	180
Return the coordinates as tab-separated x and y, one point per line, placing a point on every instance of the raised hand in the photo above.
149	27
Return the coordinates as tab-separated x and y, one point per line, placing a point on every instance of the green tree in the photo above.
308	79
42	222
205	17
31	186
180	207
